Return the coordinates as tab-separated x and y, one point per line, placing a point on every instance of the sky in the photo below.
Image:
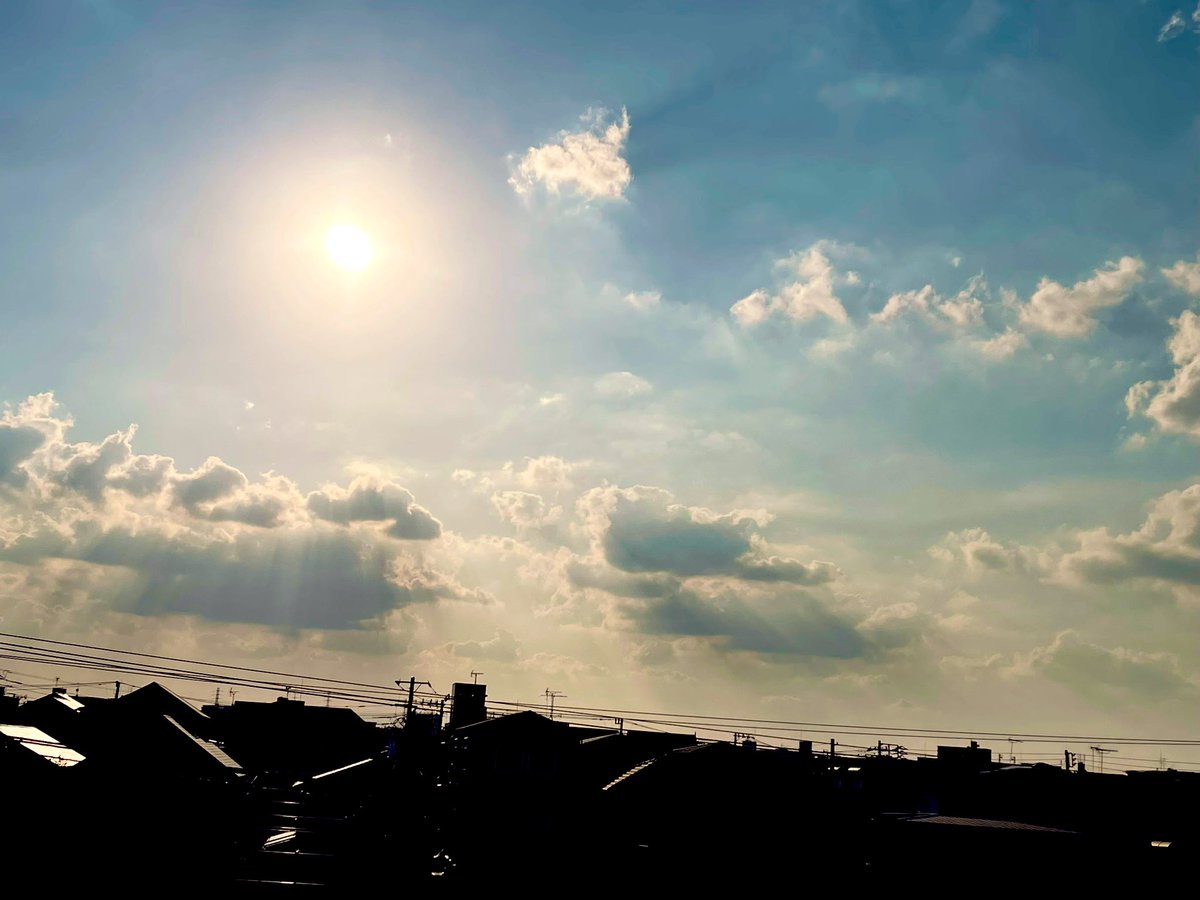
825	362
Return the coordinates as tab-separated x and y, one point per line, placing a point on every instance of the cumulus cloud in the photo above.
1174	404
525	511
1165	549
1108	674
207	483
811	293
1001	346
17	444
298	578
1184	275
979	552
587	163
622	384
208	542
368	499
796	624
538	474
962	311
641	529
1069	312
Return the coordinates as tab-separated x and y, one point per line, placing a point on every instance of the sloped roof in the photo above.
208	747
525	719
995	824
156	698
37	741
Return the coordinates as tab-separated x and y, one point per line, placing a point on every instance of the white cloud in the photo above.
539	474
754	308
962	311
1172	28
643	300
1174	405
587	163
811	294
1185	276
622	384
1177	24
1068	312
526	511
1001	346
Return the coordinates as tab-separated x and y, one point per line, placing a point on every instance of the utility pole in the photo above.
475	676
217	699
412	689
550	695
117	691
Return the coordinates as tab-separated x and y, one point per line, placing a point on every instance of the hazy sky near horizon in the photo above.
806	360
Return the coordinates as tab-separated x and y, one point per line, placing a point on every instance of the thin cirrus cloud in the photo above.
1178	23
587	163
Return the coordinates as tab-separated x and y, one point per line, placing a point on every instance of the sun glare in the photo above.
348	247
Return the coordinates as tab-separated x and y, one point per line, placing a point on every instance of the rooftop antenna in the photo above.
1012	757
475	676
1102	751
550	695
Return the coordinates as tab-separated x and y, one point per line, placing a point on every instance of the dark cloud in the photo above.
1109	675
142	476
87	471
1165	548
796	624
210	482
646	533
619	583
17	444
298	578
367	500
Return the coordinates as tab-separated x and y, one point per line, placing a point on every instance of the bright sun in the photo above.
348	247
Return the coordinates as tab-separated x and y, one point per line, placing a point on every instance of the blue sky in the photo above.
779	357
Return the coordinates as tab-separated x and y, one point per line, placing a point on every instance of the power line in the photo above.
384	696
